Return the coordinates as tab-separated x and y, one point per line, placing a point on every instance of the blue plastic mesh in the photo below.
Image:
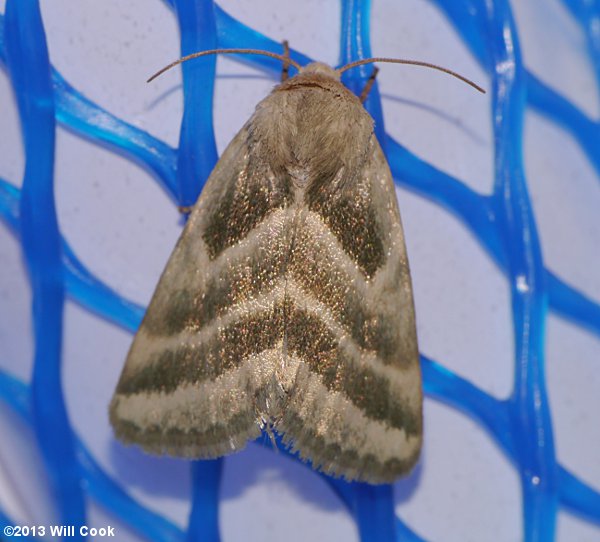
503	223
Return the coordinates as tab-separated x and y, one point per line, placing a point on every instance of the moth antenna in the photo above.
367	88
412	63
284	59
285	72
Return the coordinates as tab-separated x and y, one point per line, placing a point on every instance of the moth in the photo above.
287	302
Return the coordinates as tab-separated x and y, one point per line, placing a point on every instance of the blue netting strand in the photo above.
197	153
75	112
355	44
100	487
583	129
374	512
111	496
204	516
196	157
80	283
29	67
588	14
529	409
503	223
467	18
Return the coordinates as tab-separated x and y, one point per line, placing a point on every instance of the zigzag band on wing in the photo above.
228	423
339	363
354	222
242	272
362	307
182	301
205	419
237	274
243	203
328	433
174	354
339	439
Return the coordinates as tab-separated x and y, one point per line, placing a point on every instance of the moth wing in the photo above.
354	405
198	379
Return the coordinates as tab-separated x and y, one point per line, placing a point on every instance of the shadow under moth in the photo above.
287	302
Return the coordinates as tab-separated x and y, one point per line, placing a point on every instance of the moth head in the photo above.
320	68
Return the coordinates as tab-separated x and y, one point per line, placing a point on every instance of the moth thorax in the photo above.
300	175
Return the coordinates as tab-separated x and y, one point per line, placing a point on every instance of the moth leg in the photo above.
185	209
369	84
285	71
269	431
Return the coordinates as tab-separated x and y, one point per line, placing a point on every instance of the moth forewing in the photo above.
287	301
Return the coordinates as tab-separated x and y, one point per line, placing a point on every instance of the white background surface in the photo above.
123	227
